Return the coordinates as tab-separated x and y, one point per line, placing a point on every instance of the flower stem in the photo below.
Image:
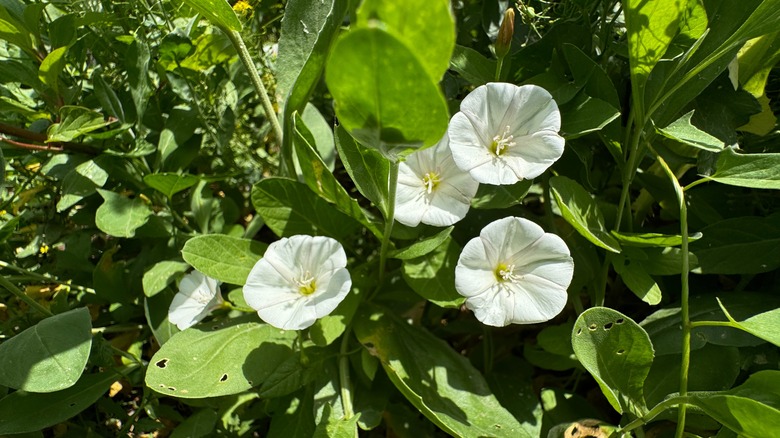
499	66
23	296
389	215
249	64
346	385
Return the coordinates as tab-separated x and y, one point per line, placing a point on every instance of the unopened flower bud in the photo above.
504	40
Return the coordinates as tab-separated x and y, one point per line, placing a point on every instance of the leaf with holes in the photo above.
617	352
209	362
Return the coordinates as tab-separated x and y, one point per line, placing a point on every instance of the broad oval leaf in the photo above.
432	275
426	27
120	216
617	352
159	276
75	121
225	258
217	12
746	245
384	97
289	207
21	412
438	381
209	362
48	356
582	212
170	183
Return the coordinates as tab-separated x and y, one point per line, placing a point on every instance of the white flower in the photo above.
298	280
504	133
432	189
198	295
514	272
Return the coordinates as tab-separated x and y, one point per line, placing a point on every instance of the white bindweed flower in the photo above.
504	133
198	295
432	189
298	280
514	272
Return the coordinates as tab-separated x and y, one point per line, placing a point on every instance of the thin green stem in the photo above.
499	66
695	324
658	409
249	64
389	215
23	296
628	174
346	385
696	183
46	278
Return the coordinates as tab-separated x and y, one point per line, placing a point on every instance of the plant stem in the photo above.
660	407
695	324
346	385
23	296
499	66
389	215
249	64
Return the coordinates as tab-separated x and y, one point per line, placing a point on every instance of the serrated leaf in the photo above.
48	356
225	258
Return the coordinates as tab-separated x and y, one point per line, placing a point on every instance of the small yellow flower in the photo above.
242	7
44	248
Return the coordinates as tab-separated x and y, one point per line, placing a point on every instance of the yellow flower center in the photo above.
501	143
306	284
431	180
505	273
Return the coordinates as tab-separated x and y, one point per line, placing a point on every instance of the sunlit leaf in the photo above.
225	258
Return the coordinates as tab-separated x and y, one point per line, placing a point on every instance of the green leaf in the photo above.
426	28
497	197
224	258
759	171
48	356
289	207
751	409
137	59
585	114
120	216
107	97
650	26
746	245
423	247
322	131
683	131
218	12
14	32
156	279
642	240
432	276
637	279
764	325
75	121
81	182
327	329
386	98
199	424
295	373
581	211
336	426
369	170
210	362
439	382
51	67
617	352
703	376
170	183
472	65
321	181
20	412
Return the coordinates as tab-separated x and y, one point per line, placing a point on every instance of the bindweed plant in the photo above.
390	218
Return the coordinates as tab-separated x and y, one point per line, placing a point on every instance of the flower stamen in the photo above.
505	273
501	143
306	284
431	180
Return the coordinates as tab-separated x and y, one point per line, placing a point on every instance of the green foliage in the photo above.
136	145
